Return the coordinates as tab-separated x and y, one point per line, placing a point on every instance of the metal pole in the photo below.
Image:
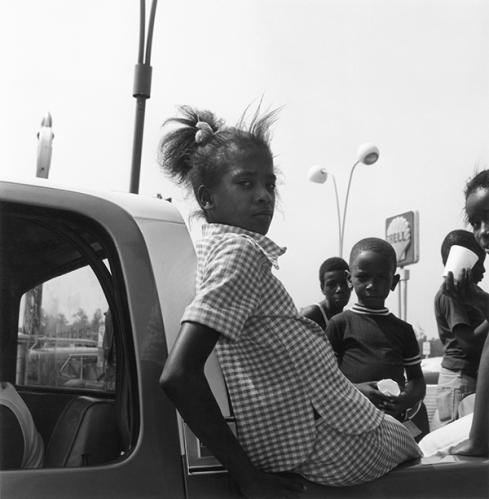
137	144
405	279
346	205
399	297
142	91
340	240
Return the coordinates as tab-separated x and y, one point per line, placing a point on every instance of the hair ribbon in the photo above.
203	133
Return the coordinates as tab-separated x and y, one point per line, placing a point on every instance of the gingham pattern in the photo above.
375	454
277	364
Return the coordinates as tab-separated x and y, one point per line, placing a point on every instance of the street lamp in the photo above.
141	89
319	175
367	154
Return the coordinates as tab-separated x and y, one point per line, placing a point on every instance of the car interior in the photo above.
81	425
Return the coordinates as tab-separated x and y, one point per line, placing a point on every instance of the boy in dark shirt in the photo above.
336	288
462	330
370	342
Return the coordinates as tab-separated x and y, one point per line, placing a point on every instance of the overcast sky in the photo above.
410	76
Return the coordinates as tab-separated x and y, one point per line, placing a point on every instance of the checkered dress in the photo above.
278	366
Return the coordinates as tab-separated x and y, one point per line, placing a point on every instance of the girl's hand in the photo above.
464	290
460	289
469	448
271	486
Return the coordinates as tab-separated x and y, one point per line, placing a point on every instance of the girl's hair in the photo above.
479	180
329	265
463	238
197	151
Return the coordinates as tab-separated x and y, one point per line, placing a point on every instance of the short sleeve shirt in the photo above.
448	314
373	344
278	366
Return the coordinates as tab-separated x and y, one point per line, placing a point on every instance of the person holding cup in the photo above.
462	328
469	435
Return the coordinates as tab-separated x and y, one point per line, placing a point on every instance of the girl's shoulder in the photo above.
234	246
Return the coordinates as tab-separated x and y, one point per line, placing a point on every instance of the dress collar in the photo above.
271	250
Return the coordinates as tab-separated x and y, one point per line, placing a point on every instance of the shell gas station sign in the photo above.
402	231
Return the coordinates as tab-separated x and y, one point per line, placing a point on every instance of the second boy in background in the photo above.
462	329
371	343
336	288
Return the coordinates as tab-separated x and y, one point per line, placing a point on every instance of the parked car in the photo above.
127	440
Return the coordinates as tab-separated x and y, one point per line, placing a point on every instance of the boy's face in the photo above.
372	278
336	289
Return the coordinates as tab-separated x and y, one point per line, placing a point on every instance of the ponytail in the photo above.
195	153
177	149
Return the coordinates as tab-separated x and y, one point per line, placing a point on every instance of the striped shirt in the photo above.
278	366
372	344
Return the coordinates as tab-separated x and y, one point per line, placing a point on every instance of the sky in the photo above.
411	76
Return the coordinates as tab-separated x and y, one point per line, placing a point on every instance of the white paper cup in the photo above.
388	387
459	258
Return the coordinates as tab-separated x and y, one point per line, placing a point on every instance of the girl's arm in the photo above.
478	442
471	339
184	382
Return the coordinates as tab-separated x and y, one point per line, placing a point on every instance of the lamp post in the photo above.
367	154
141	89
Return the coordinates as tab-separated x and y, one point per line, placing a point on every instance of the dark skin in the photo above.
336	290
466	291
472	340
244	197
373	278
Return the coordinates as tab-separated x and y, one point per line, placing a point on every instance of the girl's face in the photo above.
245	195
477	208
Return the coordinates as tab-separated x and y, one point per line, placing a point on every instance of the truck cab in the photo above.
92	384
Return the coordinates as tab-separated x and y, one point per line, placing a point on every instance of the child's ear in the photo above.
395	281
204	198
348	279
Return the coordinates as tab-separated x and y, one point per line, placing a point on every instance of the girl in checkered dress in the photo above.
294	410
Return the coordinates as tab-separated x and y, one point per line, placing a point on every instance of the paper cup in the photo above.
388	387
458	259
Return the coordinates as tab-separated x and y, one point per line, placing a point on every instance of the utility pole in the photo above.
141	91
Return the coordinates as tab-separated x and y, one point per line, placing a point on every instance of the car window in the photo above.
62	339
66	335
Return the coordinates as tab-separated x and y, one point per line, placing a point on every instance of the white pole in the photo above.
405	279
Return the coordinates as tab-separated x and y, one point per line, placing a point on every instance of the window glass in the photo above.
64	334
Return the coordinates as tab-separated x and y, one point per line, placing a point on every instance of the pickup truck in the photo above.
119	436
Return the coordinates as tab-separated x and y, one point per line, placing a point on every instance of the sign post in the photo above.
402	231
